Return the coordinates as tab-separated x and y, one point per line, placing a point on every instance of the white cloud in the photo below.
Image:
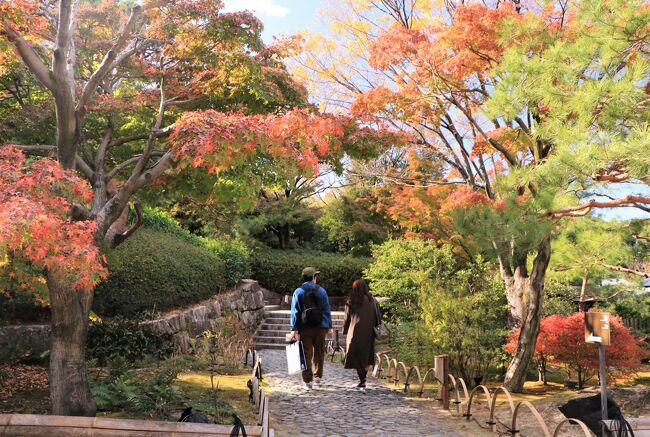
265	7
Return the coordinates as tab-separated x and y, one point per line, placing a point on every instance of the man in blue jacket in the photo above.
311	319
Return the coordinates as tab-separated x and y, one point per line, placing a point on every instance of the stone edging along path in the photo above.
337	409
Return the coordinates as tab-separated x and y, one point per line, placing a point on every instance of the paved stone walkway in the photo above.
335	409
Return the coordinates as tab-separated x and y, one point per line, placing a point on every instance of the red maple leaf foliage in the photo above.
562	340
464	197
35	204
299	139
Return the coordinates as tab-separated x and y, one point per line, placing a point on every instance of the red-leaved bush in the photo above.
561	341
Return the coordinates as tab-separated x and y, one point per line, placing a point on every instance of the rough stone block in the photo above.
174	322
24	340
259	299
183	341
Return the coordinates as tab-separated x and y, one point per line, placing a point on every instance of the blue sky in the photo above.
280	16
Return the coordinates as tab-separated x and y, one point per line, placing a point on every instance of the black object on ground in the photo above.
193	416
587	410
238	427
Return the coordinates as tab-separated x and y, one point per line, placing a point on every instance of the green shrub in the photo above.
441	305
399	270
635	307
24	296
410	342
279	270
232	252
154	271
112	338
466	314
558	298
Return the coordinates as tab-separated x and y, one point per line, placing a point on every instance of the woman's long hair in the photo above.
359	293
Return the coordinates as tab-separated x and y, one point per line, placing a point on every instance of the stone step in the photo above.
286	323
268	308
286	327
260	346
269	333
287	315
273	340
258	339
288	311
274	321
282	334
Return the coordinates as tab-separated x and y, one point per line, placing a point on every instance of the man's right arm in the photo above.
295	311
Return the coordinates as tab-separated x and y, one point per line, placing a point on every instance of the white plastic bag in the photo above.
295	357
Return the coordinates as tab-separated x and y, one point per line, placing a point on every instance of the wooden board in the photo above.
64	426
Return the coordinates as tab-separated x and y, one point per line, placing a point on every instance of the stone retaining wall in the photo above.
245	301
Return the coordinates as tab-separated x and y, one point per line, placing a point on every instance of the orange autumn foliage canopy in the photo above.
35	222
467	47
298	139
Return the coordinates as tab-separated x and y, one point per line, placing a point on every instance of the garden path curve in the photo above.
336	409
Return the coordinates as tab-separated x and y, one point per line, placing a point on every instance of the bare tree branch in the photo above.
29	56
584	209
142	136
626	270
109	62
119	238
129	162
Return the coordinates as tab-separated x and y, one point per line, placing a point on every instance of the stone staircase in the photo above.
276	325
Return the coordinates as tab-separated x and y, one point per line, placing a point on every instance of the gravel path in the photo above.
337	409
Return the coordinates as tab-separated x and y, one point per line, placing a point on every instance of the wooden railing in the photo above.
259	398
463	399
641	325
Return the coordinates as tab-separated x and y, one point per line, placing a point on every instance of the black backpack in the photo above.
312	308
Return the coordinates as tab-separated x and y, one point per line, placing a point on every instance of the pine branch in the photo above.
586	208
626	270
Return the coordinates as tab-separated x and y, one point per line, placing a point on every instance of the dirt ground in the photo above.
632	396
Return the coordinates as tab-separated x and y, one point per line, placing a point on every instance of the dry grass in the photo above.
231	390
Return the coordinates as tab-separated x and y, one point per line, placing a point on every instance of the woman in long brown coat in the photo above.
360	319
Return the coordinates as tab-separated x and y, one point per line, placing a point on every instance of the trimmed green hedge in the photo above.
279	270
156	271
232	252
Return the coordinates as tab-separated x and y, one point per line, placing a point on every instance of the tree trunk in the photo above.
283	236
516	281
69	389
517	286
583	294
516	374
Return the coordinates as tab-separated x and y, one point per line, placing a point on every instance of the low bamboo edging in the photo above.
464	399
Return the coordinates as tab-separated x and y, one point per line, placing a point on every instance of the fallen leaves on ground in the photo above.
21	377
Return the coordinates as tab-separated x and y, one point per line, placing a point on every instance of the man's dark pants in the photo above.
313	342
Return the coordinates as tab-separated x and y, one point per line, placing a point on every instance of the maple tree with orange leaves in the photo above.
139	92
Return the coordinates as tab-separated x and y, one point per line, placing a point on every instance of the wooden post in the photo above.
603	387
442	375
